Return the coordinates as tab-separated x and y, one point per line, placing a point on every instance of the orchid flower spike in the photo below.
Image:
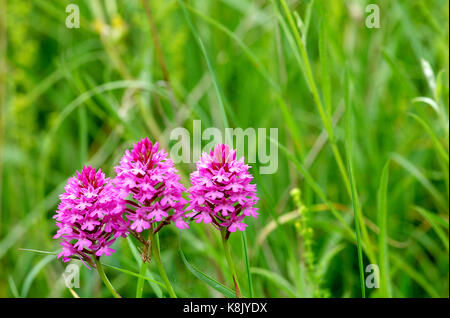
221	191
150	182
89	216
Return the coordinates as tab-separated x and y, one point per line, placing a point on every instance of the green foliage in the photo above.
70	97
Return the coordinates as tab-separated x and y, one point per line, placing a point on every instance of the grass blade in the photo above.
138	260
383	259
436	223
415	275
13	287
140	282
38	251
416	173
439	148
251	56
210	67
313	184
325	76
203	277
33	273
131	273
354	194
247	264
275	279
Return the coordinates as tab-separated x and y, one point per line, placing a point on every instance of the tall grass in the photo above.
141	68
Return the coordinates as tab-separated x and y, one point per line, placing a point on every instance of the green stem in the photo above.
326	120
156	256
140	283
356	212
308	72
247	264
354	194
230	263
105	279
341	167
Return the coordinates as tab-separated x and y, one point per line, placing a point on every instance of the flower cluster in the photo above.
153	182
94	210
89	217
221	191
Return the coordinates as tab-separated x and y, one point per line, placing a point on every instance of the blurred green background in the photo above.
79	96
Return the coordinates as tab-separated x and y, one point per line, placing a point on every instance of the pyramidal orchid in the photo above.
149	182
149	178
89	216
221	194
221	191
89	219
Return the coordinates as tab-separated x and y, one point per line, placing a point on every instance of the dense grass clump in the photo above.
363	142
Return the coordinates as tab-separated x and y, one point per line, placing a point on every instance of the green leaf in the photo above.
415	275
33	273
38	251
354	194
307	21
140	283
203	277
429	101
131	273
247	264
436	222
291	125
259	67
313	184
416	173
217	88
439	148
138	260
13	287
275	279
382	238
325	75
